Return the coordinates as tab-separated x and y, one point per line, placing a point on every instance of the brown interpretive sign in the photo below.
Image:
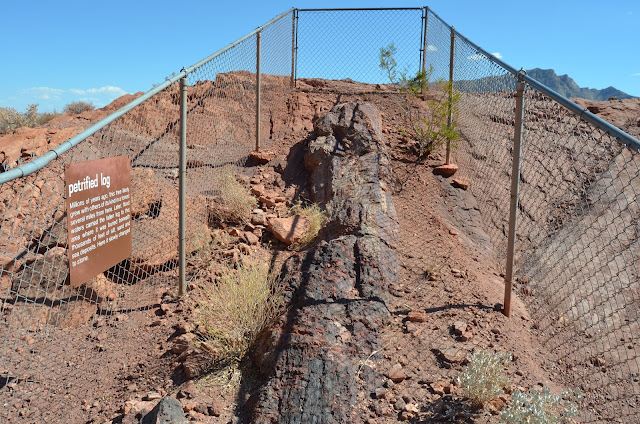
98	215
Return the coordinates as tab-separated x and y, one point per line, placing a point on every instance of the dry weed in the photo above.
317	219
236	308
234	202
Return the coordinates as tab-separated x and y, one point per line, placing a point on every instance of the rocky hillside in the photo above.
565	85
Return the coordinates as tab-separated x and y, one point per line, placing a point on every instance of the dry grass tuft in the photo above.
317	219
235	309
234	202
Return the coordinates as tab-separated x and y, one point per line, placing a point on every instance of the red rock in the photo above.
459	327
445	170
460	182
99	289
258	190
262	157
251	238
417	316
267	201
397	374
289	230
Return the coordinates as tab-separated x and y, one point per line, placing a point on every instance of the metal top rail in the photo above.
583	113
42	161
349	9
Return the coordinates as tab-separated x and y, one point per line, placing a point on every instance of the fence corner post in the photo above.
515	187
258	48
182	288
450	117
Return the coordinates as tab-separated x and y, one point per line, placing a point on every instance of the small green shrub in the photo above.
78	107
429	127
236	308
483	378
317	219
540	407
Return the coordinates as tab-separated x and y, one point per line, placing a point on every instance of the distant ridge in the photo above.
566	86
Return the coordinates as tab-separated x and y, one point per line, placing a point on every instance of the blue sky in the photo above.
57	52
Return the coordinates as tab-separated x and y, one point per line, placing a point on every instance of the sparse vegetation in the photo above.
11	120
234	202
540	407
78	107
317	219
235	309
429	127
483	378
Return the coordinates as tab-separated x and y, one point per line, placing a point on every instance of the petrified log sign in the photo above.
321	370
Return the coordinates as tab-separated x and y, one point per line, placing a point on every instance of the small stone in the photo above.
261	158
600	362
397	374
418	316
258	217
380	393
152	396
452	355
496	405
459	327
438	387
453	232
460	182
258	190
244	248
410	407
496	331
399	405
189	406
251	238
446	170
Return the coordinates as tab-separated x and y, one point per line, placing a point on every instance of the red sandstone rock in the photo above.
446	170
289	230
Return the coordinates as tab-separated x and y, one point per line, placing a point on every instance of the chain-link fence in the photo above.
575	246
60	344
576	238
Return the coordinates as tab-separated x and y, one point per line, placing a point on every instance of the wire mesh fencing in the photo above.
67	351
576	241
345	44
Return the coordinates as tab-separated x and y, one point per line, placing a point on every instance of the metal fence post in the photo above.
450	118
258	48
182	288
425	18
515	187
293	48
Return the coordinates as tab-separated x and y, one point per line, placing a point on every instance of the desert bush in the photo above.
317	219
78	107
11	119
236	309
540	407
483	378
234	202
429	127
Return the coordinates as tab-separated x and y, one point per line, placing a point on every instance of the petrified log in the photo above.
336	290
